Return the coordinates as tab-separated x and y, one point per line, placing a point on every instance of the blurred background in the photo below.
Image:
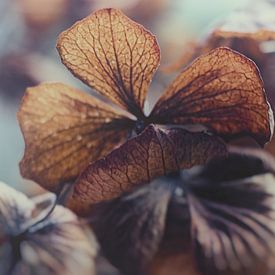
28	33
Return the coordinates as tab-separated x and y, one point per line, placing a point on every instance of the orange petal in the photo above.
222	90
112	54
64	129
153	153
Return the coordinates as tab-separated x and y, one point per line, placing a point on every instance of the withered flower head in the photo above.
216	219
65	129
33	242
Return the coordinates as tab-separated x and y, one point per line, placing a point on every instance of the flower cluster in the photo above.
129	172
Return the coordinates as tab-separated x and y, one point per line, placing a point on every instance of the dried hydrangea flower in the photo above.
65	129
217	219
33	242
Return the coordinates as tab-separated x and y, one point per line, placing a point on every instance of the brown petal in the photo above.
130	228
112	54
222	90
155	152
231	202
56	246
64	129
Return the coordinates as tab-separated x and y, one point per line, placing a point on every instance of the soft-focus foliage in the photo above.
30	244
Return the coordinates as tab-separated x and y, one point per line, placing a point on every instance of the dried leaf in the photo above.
130	228
64	129
221	90
112	54
55	246
231	203
151	154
